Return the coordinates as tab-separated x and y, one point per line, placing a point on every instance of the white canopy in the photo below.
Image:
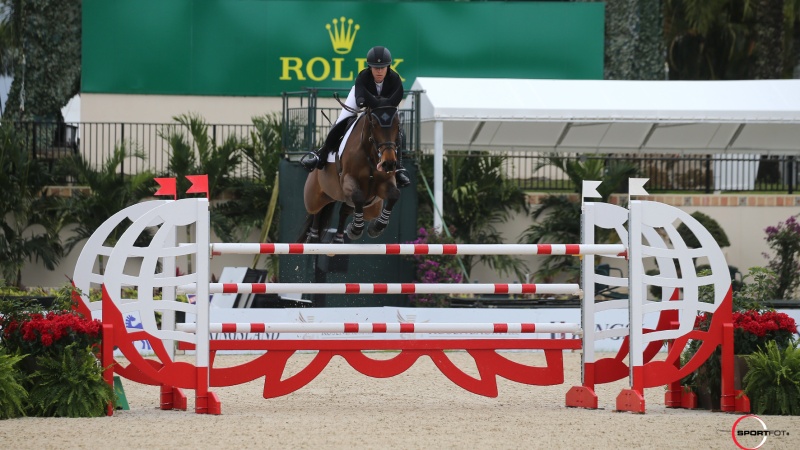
749	116
761	116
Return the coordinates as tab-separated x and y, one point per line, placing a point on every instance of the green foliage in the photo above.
47	34
758	288
634	47
709	224
109	192
558	219
784	240
70	385
32	219
478	196
13	395
773	380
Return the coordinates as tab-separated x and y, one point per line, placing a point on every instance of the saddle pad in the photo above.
331	155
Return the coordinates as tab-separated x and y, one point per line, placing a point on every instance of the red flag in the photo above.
168	187
199	184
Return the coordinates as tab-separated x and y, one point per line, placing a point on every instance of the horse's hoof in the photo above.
352	234
375	229
338	239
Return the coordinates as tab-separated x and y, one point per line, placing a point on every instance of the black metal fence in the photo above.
306	126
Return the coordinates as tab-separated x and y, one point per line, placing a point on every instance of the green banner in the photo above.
264	48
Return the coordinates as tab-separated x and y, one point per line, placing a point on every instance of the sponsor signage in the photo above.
264	48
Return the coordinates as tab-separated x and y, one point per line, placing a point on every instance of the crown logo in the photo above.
342	34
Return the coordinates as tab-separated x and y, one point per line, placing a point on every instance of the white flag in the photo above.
589	189
636	186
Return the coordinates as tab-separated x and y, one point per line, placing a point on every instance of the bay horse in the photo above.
362	179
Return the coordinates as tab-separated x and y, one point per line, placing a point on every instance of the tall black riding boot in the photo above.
314	159
400	174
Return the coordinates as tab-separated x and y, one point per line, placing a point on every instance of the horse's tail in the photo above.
324	218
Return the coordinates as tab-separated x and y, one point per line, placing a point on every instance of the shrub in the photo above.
773	380
784	240
434	269
13	395
70	384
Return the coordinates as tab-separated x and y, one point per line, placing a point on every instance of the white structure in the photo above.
568	116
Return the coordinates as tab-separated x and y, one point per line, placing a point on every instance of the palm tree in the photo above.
558	219
768	39
479	197
198	153
109	193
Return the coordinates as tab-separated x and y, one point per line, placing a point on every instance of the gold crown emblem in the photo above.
342	34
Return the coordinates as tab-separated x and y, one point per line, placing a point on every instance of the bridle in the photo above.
384	116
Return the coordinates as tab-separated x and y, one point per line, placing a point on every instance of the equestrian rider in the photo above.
377	85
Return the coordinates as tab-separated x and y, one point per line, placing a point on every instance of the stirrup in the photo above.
309	161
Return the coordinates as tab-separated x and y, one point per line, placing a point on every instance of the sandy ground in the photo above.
419	409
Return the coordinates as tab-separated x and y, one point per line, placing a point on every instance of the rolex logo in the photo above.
342	34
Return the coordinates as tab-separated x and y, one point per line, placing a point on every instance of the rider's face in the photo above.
379	73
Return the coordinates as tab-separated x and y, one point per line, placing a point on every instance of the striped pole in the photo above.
386	288
300	327
419	249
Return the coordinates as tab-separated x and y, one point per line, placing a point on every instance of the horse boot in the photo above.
400	174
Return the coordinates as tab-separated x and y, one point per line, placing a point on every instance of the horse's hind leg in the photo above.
344	212
313	231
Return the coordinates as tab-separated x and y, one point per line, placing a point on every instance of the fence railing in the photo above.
50	142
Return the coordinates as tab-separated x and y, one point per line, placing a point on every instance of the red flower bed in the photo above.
752	329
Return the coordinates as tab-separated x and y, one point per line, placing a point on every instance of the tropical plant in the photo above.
772	381
195	151
32	219
70	384
557	219
479	196
13	396
784	240
109	192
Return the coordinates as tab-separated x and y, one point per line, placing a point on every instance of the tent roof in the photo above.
612	116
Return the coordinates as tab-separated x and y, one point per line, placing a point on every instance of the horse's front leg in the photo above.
357	197
379	224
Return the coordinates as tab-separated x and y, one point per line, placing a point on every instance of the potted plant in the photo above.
754	326
58	364
773	380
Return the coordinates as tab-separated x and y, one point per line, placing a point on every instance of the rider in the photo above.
377	85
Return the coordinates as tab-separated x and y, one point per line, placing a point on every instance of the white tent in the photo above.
731	117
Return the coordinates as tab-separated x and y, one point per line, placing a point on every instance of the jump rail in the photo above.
419	249
386	288
361	327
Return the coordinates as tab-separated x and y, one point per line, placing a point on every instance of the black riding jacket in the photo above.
367	93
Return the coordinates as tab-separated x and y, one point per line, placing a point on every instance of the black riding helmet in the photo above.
379	57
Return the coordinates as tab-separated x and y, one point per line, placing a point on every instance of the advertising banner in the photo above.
264	48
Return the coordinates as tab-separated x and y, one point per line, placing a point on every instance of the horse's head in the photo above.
384	136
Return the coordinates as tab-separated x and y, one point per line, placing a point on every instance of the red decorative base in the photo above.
207	404
581	397
630	400
172	398
680	398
